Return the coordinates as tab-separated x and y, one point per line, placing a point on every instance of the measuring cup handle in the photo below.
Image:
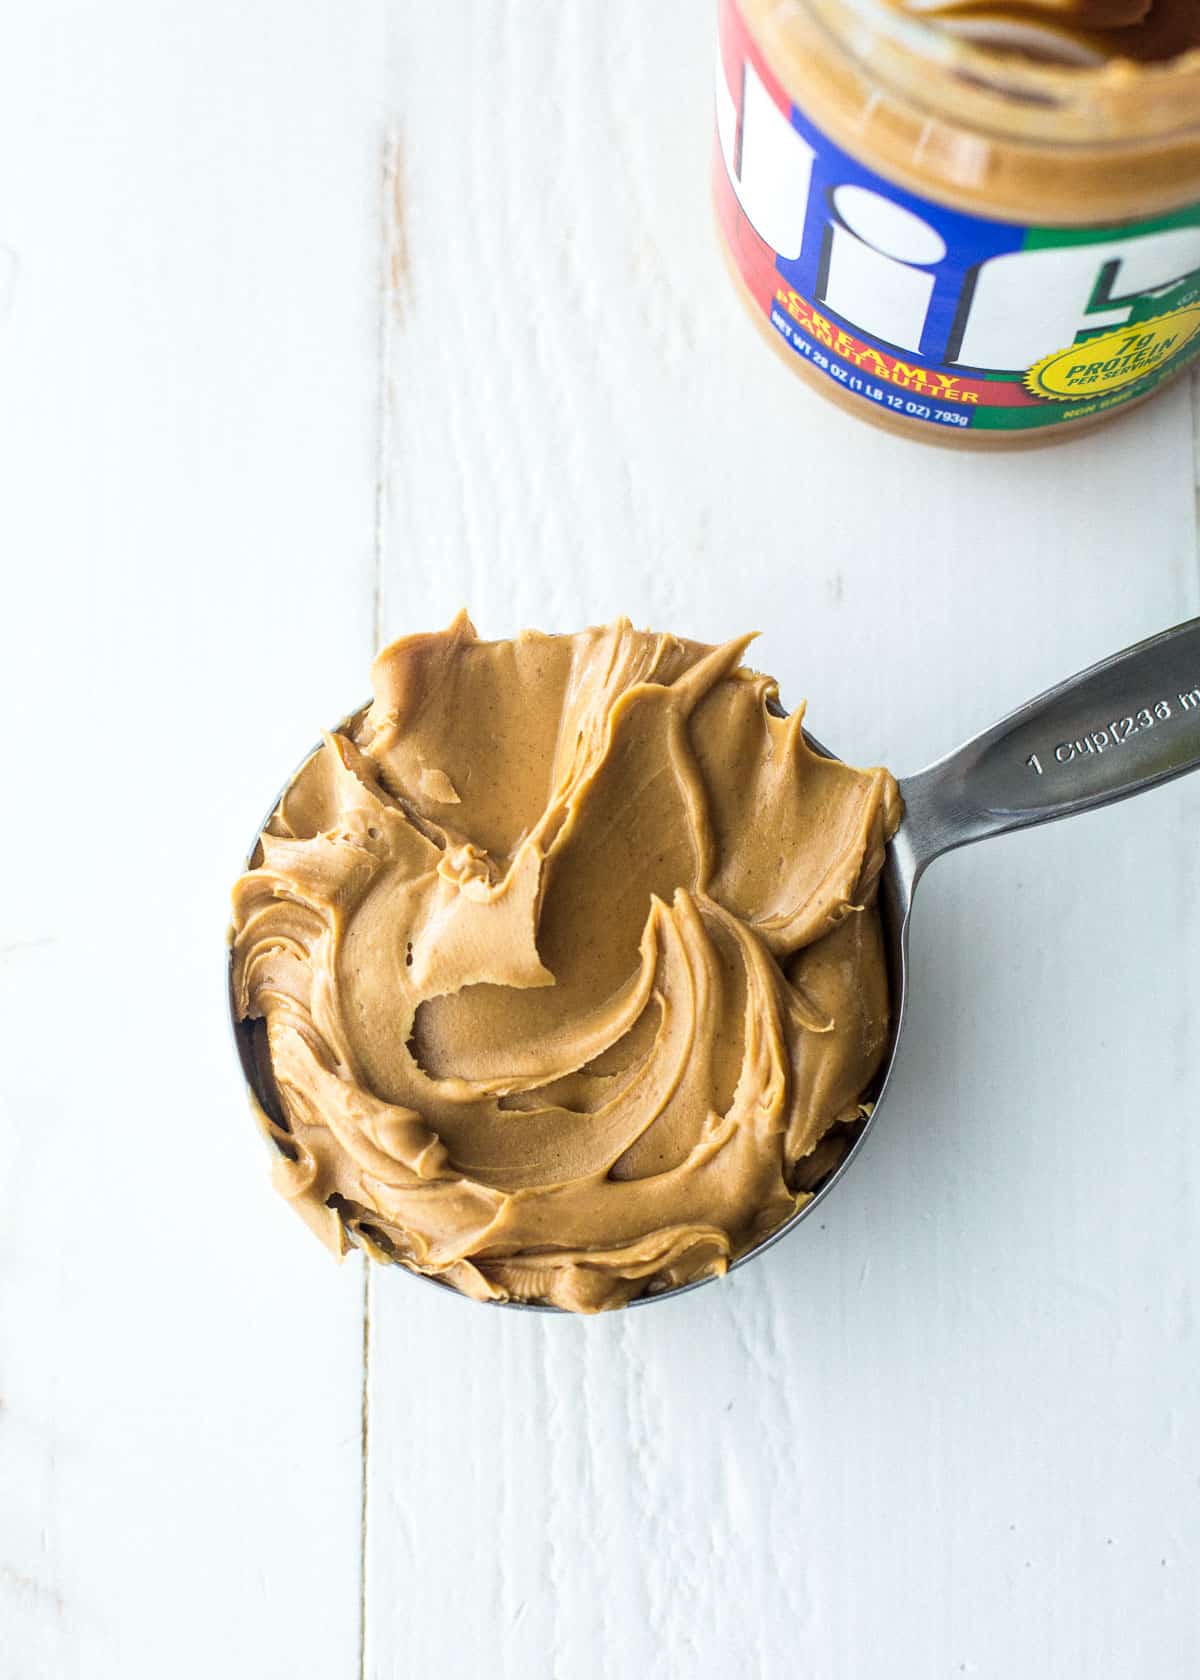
1122	726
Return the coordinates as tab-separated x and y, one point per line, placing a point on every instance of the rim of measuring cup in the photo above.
891	899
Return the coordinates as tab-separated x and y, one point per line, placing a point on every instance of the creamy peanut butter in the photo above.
567	964
970	221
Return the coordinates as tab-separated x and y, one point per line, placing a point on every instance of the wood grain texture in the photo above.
950	1426
188	454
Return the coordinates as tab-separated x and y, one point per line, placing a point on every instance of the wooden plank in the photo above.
188	382
949	1426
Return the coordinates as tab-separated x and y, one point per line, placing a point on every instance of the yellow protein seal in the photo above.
1114	359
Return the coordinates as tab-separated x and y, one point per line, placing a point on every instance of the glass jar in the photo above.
962	246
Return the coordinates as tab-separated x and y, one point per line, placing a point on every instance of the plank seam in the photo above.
393	288
390	262
365	1437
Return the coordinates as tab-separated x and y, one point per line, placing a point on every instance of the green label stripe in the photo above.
1024	419
1045	239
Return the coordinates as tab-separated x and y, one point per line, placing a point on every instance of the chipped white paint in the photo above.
950	1426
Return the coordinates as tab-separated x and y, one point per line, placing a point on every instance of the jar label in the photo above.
927	312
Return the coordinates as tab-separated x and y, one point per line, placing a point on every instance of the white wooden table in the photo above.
326	320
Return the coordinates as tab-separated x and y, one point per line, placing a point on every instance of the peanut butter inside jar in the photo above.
968	222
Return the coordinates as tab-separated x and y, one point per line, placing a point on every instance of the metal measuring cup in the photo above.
1119	728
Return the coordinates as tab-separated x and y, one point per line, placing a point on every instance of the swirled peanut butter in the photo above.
567	964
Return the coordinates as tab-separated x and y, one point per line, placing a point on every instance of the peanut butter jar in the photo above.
960	241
